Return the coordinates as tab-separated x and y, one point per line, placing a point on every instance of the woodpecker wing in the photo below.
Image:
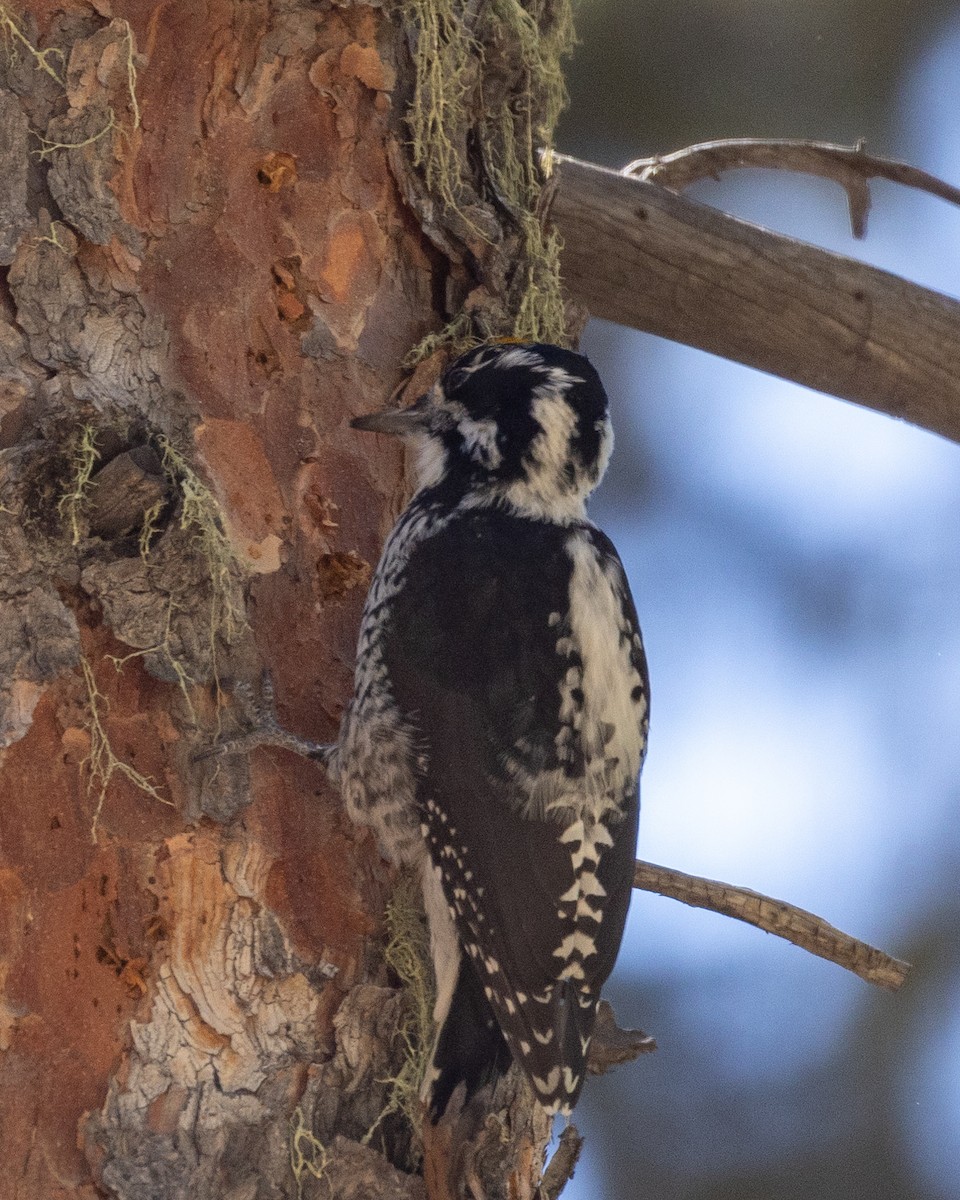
488	656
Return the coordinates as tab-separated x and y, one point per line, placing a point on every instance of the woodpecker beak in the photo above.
398	421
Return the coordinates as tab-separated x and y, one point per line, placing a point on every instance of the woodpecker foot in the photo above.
264	728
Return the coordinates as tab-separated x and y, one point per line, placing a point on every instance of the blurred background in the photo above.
796	565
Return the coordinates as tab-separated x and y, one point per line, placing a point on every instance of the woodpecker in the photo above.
500	713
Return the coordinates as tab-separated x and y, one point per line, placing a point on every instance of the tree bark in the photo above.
214	249
212	284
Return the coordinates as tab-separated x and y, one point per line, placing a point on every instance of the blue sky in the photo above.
796	566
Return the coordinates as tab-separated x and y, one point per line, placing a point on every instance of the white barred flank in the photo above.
376	759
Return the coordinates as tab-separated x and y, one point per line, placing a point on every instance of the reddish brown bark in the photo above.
238	275
214	250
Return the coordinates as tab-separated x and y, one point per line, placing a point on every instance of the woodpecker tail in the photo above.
561	1022
470	1048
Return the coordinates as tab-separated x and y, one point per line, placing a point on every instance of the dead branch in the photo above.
640	255
796	925
612	1046
850	166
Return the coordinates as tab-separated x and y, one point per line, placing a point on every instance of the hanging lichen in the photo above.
444	59
408	954
521	130
82	461
102	763
488	90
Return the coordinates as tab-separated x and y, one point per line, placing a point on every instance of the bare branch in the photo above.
638	254
850	166
796	925
612	1046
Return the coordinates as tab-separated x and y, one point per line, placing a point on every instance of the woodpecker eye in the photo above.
454	380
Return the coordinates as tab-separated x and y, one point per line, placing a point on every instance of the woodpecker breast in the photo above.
499	719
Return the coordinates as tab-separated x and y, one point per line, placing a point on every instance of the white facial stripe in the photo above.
480	441
551	448
559	380
482	360
546	489
518	356
603	455
430	461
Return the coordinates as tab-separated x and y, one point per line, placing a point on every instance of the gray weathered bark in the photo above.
640	255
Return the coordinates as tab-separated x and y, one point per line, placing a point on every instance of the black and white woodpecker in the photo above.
499	719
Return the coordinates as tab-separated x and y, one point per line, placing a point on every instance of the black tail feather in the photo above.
470	1048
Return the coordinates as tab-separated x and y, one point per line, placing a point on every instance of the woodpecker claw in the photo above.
264	728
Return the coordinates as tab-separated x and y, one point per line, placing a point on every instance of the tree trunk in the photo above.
212	233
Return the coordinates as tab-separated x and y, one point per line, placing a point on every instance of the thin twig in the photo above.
804	929
850	166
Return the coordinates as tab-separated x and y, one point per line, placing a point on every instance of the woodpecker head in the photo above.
523	423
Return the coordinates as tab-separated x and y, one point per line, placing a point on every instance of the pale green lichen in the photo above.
82	458
53	238
15	40
101	762
201	517
132	76
456	336
521	132
219	605
308	1155
541	315
408	954
171	659
450	61
47	146
149	529
444	62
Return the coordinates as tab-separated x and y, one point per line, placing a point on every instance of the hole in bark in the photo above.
99	480
276	171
